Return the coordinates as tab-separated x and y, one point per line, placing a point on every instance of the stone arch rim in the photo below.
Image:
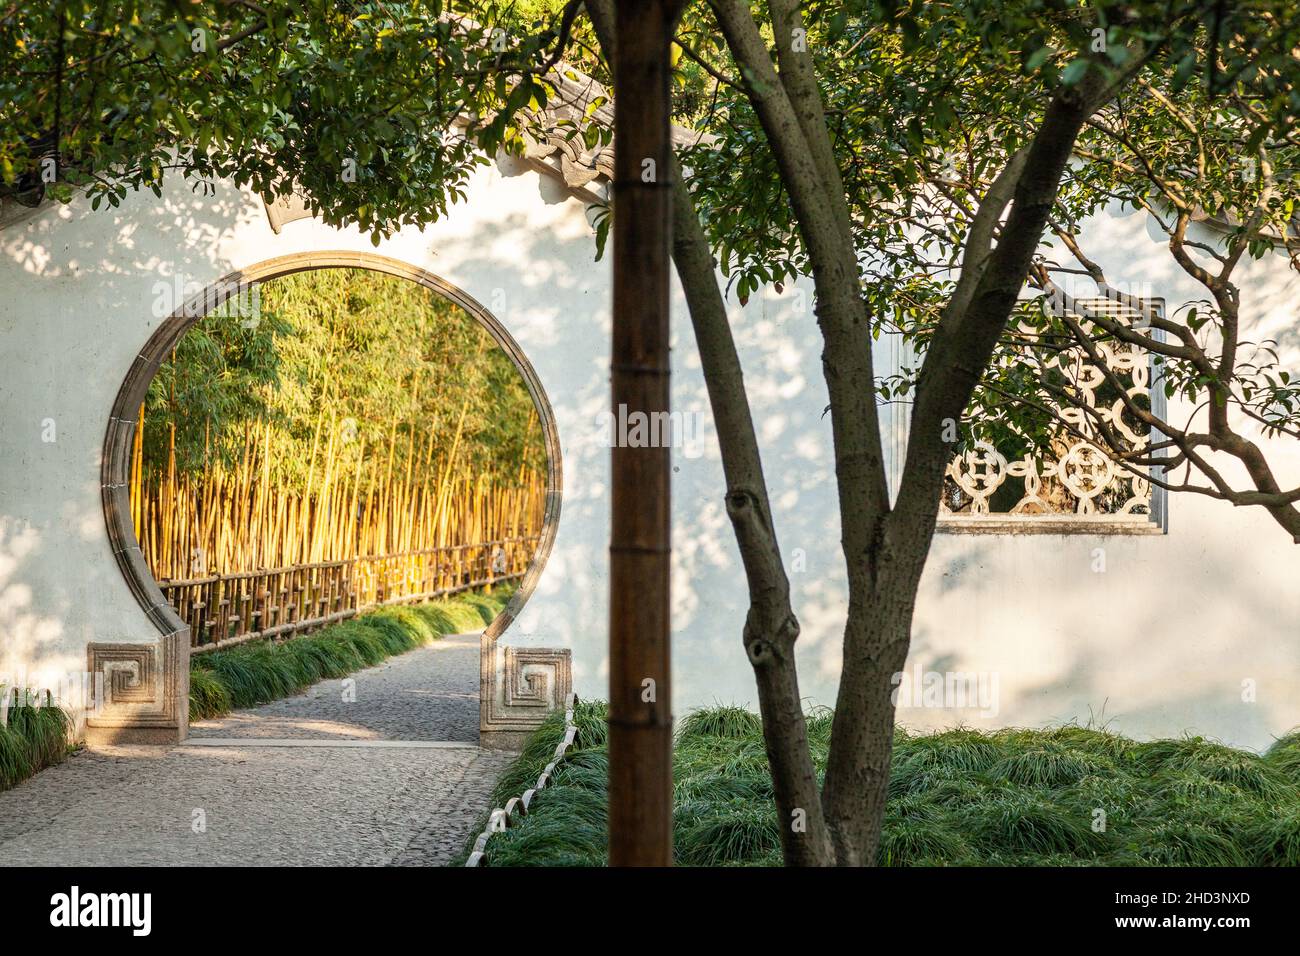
119	435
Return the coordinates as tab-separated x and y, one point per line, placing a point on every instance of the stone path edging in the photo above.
517	807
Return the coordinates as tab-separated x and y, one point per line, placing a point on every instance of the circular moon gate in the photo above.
120	434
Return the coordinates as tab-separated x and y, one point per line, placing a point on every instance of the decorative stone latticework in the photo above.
1075	481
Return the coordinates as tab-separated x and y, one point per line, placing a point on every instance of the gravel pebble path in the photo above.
245	803
427	694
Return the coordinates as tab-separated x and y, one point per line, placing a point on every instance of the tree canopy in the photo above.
376	112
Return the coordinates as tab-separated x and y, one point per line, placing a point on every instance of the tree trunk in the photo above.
876	639
771	627
883	583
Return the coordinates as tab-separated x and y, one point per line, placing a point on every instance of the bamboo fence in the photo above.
240	556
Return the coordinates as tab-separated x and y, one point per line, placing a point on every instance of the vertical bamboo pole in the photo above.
640	696
137	476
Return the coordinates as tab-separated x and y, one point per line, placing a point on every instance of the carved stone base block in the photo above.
144	692
518	687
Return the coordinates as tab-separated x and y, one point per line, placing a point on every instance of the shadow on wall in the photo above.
67	274
1159	643
30	637
780	349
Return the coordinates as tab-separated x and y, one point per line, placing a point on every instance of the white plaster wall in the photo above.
1160	642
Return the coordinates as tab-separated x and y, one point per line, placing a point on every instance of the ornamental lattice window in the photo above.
1069	483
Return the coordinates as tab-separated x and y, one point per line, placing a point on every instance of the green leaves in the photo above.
1074	71
263	99
602	222
1038	58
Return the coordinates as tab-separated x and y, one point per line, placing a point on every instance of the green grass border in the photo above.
263	671
33	739
960	797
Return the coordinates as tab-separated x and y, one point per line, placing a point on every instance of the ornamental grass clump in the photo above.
31	738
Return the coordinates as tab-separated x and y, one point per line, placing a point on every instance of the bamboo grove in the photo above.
333	415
